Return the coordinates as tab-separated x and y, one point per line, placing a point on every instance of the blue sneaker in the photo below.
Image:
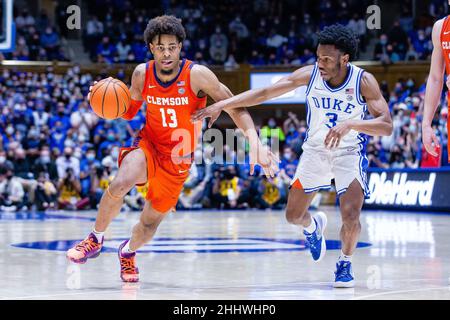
316	240
344	275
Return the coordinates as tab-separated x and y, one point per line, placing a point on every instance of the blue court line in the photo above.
63	245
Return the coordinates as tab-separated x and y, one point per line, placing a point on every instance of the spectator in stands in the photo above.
218	46
292	127
270	192
380	53
288	166
123	49
46	193
68	161
106	51
70	192
45	164
50	42
272	134
94	30
226	188
11	190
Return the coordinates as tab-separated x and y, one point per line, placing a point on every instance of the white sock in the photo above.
98	235
127	249
312	227
343	257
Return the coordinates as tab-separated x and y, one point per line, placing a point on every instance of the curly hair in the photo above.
165	24
341	37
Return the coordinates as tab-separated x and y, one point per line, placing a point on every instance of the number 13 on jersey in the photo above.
169	118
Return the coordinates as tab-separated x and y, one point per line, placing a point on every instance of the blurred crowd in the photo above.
410	39
37	38
223	33
57	154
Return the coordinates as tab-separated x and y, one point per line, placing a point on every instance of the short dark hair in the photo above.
165	24
341	37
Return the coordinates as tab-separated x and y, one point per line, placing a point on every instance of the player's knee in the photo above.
150	223
120	186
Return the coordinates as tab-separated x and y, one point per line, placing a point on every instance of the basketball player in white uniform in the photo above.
338	96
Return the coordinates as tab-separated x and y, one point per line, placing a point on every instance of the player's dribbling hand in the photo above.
335	135
263	156
90	89
212	112
430	140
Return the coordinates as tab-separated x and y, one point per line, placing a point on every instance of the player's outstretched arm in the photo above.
380	125
254	97
205	81
433	90
137	85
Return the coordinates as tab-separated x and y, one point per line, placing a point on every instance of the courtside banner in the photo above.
409	189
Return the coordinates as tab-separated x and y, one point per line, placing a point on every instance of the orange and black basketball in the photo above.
110	98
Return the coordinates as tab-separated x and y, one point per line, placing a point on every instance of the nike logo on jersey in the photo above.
151	87
319	89
182	171
446	32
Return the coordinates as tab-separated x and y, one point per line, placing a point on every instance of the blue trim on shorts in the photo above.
325	187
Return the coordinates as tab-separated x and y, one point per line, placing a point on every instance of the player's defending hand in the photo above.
430	140
212	112
335	134
263	156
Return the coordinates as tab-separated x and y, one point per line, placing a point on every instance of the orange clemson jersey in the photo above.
169	109
445	44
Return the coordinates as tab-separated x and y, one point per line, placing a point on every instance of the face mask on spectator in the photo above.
45	159
110	137
67	155
90	157
10	131
272	124
287	155
2	159
115	153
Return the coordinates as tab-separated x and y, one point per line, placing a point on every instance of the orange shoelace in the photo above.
87	245
127	265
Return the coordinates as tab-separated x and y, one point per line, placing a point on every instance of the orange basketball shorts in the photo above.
164	177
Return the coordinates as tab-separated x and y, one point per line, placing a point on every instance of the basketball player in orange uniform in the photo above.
161	154
440	63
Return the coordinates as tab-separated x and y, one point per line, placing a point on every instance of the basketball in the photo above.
110	98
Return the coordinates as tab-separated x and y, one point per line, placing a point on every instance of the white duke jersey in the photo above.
327	107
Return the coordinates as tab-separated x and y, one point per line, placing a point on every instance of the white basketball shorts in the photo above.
317	168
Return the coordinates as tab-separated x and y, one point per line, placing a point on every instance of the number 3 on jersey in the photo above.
172	118
333	118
